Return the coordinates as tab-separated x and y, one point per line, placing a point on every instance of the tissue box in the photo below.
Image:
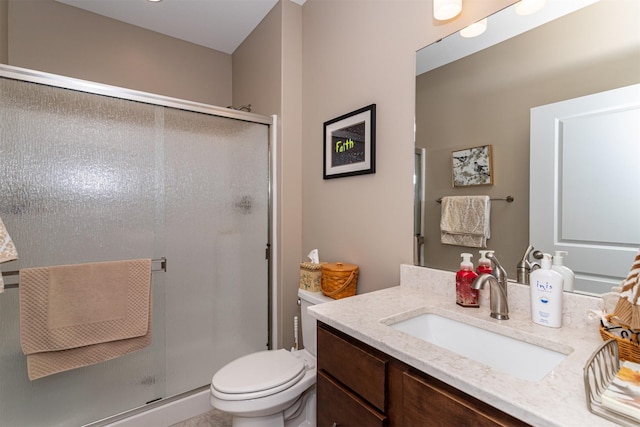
310	276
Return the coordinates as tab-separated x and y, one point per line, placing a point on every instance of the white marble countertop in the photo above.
556	400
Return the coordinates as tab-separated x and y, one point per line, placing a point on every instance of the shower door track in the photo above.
148	407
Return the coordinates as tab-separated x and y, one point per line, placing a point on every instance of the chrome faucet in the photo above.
525	267
497	280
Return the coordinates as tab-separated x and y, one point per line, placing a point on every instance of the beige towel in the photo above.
465	221
8	250
42	364
77	315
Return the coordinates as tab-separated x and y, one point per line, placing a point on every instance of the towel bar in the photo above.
162	261
508	199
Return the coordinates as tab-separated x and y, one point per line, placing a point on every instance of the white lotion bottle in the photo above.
565	272
546	294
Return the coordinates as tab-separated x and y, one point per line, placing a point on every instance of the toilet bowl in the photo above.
272	388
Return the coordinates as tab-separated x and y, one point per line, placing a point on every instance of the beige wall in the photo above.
290	169
267	73
307	64
486	98
257	66
49	36
356	53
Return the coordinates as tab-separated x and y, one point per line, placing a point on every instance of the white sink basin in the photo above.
509	355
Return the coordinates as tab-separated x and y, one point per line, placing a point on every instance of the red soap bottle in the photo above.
466	296
484	263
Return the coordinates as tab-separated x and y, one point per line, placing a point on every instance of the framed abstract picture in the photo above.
350	144
472	166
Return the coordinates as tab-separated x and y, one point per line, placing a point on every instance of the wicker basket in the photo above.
628	346
339	280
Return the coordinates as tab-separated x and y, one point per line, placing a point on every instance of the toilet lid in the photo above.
257	372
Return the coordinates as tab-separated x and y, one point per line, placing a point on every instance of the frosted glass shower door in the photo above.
88	178
78	184
216	184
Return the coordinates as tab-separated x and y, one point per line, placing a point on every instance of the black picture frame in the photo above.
349	144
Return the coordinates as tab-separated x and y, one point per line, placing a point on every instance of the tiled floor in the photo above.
213	418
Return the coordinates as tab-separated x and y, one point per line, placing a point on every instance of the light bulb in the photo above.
446	9
529	7
474	29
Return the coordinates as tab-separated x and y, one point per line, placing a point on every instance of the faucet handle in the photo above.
499	272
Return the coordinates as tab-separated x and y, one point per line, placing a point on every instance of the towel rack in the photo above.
162	261
508	199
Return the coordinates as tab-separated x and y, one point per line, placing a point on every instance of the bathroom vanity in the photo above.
359	385
371	373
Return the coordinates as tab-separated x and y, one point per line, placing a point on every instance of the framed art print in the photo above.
350	144
472	166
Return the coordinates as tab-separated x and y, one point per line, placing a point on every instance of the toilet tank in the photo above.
309	323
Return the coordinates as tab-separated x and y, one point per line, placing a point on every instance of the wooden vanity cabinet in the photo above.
361	386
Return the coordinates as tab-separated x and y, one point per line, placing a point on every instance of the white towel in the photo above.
465	221
8	250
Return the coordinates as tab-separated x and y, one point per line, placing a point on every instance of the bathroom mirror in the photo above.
485	98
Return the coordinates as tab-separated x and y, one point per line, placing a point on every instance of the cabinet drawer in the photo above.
356	368
337	406
427	401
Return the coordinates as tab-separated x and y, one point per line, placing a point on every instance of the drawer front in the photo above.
337	406
356	368
433	403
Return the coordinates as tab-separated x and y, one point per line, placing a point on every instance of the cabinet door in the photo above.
338	406
429	402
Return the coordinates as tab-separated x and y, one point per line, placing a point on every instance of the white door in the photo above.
585	184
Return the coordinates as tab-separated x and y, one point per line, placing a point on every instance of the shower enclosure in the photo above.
93	173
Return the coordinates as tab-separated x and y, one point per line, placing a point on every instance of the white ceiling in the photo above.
217	24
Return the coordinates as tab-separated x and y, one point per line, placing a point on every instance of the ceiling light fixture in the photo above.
529	7
475	29
446	9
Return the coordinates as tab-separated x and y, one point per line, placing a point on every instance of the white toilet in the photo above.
273	388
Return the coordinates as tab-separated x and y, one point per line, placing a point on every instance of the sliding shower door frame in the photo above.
26	75
53	80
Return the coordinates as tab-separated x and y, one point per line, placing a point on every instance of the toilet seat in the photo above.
257	375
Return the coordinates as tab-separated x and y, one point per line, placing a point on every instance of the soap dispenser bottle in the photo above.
466	296
567	275
546	294
484	263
